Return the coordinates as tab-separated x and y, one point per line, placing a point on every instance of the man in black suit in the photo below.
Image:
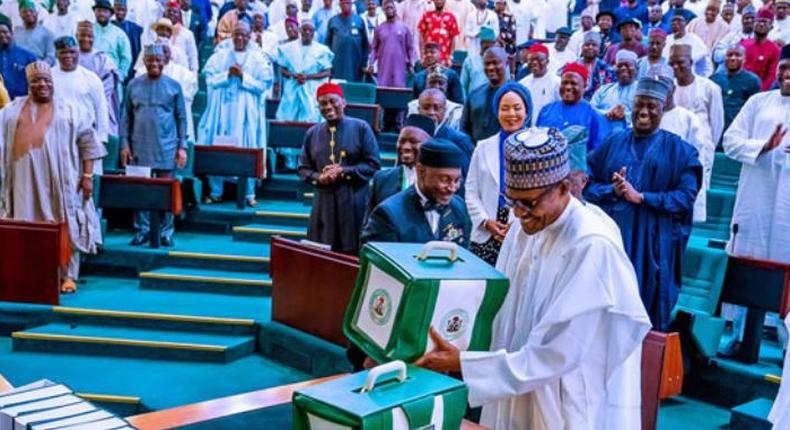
429	209
195	21
430	59
386	183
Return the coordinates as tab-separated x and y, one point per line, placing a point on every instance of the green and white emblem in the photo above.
454	324
380	306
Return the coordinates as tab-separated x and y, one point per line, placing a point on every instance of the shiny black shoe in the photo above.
168	242
139	239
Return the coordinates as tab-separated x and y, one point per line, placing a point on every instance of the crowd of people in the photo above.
592	126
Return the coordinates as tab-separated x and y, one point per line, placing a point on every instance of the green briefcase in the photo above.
404	288
418	399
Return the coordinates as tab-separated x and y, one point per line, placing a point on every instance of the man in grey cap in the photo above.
647	179
429	209
154	132
615	100
571	328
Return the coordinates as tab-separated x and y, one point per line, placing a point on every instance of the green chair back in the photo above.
357	92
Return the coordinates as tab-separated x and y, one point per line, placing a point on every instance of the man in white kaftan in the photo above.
567	342
543	86
189	86
703	97
758	138
238	80
47	152
81	87
306	65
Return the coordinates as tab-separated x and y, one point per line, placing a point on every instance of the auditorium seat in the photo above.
703	278
725	173
358	92
717	225
111	163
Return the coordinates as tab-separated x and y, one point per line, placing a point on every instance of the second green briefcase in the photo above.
404	288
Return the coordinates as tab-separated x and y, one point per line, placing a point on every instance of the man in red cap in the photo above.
572	109
542	85
339	156
762	54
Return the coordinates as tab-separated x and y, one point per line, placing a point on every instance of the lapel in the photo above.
400	175
422	225
492	159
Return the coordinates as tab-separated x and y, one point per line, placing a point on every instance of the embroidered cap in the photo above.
37	68
440	153
487	34
154	50
65	42
535	158
656	87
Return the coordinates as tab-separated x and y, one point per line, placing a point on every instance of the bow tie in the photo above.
433	206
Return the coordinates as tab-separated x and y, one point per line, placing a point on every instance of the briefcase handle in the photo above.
376	372
429	247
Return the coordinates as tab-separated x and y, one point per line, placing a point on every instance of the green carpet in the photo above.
681	413
122	294
160	384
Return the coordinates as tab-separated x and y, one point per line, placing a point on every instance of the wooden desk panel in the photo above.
311	288
32	254
228	161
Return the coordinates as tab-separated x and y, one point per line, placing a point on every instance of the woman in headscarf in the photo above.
512	103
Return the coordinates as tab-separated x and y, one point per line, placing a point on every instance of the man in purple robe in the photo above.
392	49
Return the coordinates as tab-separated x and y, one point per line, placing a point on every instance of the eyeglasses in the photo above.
528	204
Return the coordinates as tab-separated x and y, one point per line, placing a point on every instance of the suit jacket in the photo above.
482	187
386	183
401	218
454	92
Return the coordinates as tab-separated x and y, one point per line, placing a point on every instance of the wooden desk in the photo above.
154	195
311	288
762	286
31	260
223	160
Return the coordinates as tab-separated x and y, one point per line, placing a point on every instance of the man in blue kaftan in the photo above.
238	80
647	179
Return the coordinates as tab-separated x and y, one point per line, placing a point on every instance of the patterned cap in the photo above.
154	50
65	42
657	87
535	158
37	68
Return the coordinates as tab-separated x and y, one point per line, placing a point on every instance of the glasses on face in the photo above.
528	204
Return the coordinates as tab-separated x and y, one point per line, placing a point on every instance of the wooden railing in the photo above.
231	405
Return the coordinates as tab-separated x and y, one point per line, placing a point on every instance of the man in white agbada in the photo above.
238	80
83	88
306	64
758	138
703	97
543	86
63	21
189	85
481	17
47	152
559	54
780	412
567	342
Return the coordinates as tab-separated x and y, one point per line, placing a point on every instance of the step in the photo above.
751	415
206	281
218	252
86	339
159	321
295	218
388	158
262	233
120	405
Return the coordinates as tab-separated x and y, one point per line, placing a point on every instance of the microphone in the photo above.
734	235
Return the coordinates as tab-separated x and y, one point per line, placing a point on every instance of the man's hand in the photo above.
126	157
235	70
181	158
617	113
624	189
775	139
86	184
301	78
444	358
